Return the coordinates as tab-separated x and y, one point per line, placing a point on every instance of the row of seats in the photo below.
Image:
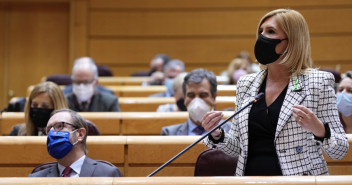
145	91
114	123
136	156
146	104
115	80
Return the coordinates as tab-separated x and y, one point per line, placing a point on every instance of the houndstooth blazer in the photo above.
298	152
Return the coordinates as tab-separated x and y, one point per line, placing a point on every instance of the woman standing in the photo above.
285	132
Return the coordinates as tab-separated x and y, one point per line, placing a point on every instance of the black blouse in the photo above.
262	158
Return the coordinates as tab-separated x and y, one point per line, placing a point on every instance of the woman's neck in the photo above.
278	73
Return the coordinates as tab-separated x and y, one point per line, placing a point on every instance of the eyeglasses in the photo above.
85	82
58	126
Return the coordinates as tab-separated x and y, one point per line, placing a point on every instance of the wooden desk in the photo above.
134	155
146	104
145	91
138	80
114	123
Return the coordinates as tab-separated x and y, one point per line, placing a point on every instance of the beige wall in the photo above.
40	37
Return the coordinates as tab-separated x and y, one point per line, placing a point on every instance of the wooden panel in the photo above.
149	123
183	22
39	42
3	67
78	30
171	169
176	4
147	150
205	51
107	123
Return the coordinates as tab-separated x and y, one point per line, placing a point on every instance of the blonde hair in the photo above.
178	81
298	52
234	65
57	97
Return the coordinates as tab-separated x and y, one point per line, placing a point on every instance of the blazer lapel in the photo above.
88	167
183	130
253	87
295	95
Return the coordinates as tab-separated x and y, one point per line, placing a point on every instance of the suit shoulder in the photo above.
317	76
107	96
172	129
41	173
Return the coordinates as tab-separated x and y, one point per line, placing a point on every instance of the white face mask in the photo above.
83	91
197	109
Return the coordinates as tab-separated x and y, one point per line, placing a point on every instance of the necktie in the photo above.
67	171
198	130
84	106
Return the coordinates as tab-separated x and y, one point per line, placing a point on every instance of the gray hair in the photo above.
174	63
82	61
78	122
197	76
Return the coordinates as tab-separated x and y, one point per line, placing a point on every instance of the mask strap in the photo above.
72	133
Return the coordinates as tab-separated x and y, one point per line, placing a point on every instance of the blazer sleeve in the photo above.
335	147
231	142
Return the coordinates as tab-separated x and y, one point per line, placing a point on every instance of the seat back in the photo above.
60	79
43	166
92	129
104	70
212	162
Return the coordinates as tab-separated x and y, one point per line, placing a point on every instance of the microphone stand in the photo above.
256	99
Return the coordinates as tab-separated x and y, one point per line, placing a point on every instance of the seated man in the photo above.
171	70
85	97
200	90
67	135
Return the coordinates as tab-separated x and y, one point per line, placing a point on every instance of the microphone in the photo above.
255	100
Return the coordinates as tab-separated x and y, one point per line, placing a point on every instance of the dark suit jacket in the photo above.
90	168
100	102
182	129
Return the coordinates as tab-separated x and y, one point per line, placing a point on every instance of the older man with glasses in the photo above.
86	96
67	135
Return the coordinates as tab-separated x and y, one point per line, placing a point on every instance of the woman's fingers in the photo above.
211	119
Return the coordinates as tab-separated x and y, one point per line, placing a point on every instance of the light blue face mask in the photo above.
344	103
168	84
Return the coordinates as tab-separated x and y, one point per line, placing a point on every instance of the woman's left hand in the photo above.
308	120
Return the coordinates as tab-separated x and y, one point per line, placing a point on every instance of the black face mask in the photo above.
40	117
265	49
181	105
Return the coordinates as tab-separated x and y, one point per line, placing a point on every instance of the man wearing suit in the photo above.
67	135
200	90
85	96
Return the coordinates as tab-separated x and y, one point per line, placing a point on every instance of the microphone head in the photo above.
258	97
